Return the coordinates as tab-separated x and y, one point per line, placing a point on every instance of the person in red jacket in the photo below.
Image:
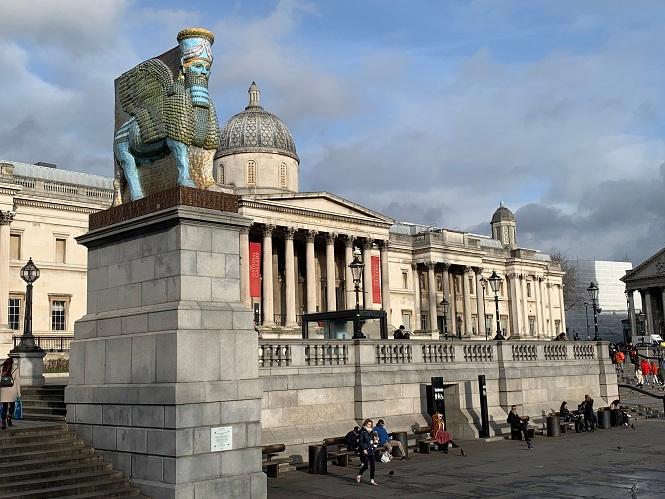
654	373
646	371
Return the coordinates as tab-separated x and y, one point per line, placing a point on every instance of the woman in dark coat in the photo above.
589	414
366	451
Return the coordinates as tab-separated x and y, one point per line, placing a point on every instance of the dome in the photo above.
503	214
256	130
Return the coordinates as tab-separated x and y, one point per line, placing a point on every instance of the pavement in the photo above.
573	465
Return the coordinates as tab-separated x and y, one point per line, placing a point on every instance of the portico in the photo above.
647	279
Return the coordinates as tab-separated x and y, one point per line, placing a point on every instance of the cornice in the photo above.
54	205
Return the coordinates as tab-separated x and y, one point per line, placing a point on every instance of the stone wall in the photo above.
315	389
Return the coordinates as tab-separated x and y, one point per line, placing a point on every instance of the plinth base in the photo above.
31	365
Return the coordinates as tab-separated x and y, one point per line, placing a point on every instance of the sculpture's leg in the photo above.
181	154
128	164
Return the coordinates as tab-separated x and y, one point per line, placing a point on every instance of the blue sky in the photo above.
429	111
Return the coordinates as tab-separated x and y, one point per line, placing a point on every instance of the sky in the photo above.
428	111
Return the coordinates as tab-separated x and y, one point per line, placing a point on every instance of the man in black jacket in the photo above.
517	423
352	439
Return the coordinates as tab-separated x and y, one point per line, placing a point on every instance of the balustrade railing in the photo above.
49	343
274	355
556	352
480	352
438	352
584	351
393	353
326	354
524	352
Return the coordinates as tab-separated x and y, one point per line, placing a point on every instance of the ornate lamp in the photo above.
445	307
593	294
29	273
357	267
495	284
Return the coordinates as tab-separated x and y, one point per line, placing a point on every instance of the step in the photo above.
44	403
52	462
43	388
59	481
120	493
30	416
21	431
54	471
24	438
45	410
75	450
101	487
64	440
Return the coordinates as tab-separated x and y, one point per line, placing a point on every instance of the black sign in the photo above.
438	403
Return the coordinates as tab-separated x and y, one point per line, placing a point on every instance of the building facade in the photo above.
646	282
294	259
42	211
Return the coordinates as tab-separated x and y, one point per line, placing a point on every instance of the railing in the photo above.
49	343
274	355
584	352
524	352
279	319
480	352
556	352
326	354
62	188
393	353
296	353
644	392
438	352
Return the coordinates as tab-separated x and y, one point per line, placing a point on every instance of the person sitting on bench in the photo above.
352	439
620	416
564	413
518	423
385	440
439	433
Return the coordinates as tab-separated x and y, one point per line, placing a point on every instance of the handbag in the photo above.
6	382
385	457
18	409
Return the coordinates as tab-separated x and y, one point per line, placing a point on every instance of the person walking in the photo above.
654	373
386	441
589	414
10	389
646	371
639	376
439	433
366	451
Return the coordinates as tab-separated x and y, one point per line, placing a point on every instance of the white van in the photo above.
648	340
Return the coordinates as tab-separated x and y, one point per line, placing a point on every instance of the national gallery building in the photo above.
295	257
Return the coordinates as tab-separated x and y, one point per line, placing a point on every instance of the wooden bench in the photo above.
340	452
271	464
423	441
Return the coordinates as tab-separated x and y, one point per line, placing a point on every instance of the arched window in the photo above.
220	173
251	172
282	175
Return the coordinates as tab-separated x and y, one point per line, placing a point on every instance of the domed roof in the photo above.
256	130
503	214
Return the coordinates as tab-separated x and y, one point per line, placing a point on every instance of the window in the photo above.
557	327
503	321
471	288
457	289
439	283
14	314
60	250
15	246
422	281
489	323
532	325
251	172
220	173
58	315
528	290
474	321
406	320
282	175
501	288
424	321
405	280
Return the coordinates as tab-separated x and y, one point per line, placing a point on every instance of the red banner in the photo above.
255	270
376	279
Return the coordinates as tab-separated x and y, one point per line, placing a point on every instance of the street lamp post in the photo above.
495	282
593	294
586	311
29	273
445	306
357	271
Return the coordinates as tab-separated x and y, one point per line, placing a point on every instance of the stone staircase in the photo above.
44	403
43	460
637	404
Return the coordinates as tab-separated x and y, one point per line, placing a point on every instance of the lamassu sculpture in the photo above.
166	125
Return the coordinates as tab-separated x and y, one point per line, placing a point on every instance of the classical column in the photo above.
417	307
310	271
331	299
543	317
562	309
290	276
480	302
466	296
537	294
267	288
349	286
449	284
649	312
367	273
550	308
515	318
525	306
431	281
6	218
244	267
631	313
385	279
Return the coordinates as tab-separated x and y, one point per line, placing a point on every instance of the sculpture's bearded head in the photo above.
196	60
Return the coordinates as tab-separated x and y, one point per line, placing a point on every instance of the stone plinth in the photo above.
166	354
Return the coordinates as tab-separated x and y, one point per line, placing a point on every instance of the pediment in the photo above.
322	202
652	268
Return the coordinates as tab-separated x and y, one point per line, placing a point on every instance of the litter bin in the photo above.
401	436
318	459
553	426
604	419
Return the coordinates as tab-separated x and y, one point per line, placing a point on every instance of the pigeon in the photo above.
619	448
529	445
633	491
391	473
462	453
